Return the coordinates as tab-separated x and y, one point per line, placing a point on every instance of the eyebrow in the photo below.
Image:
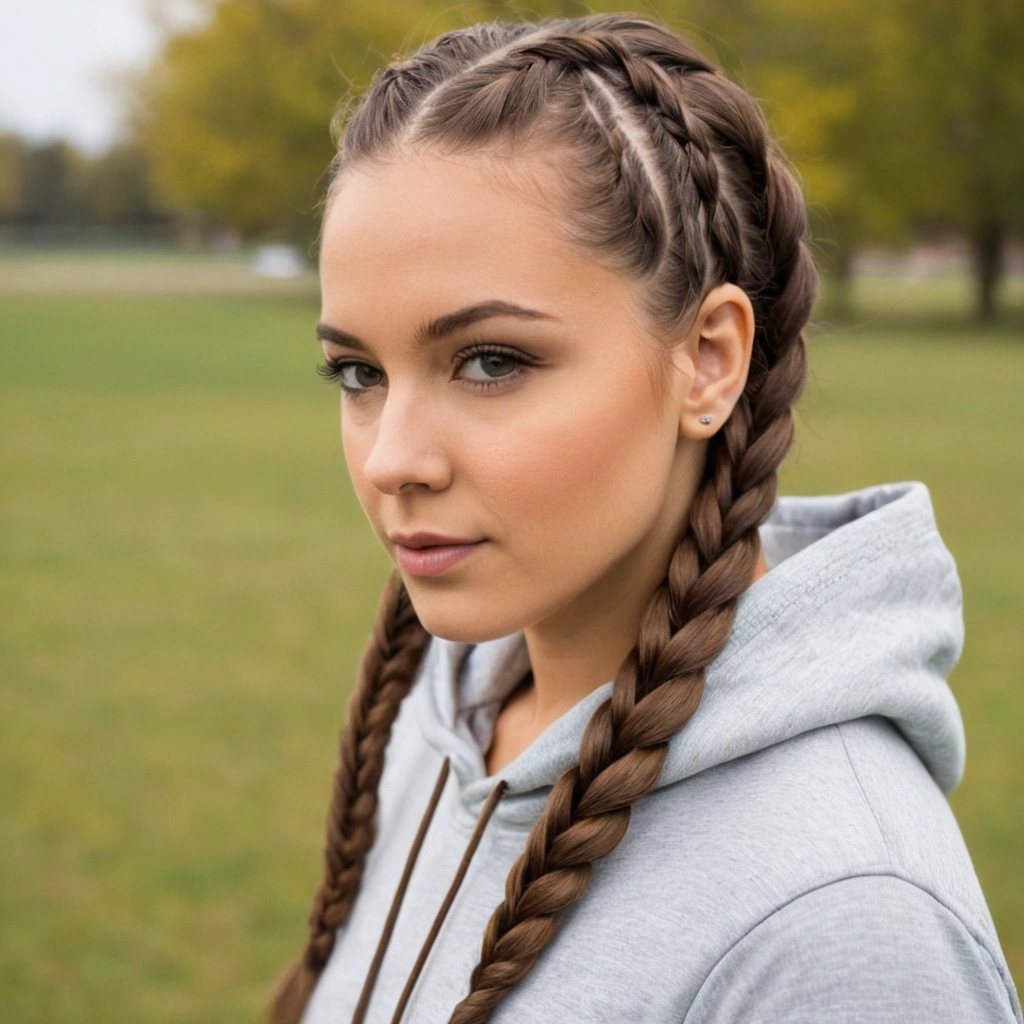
442	326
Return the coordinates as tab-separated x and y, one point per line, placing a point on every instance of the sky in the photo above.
53	55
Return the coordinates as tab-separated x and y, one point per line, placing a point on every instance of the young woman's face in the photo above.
498	392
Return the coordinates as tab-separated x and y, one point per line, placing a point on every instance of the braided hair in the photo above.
678	184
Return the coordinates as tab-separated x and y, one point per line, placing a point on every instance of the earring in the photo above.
705	419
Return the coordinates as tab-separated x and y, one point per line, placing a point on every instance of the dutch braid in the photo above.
687	192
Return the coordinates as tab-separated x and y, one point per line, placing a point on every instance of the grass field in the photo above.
187	583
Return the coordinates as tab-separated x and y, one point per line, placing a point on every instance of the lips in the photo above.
429	554
425	539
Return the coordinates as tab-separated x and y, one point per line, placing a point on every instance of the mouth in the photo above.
425	539
433	559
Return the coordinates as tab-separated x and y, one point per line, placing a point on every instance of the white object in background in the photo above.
278	261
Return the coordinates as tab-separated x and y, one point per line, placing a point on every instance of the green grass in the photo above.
187	583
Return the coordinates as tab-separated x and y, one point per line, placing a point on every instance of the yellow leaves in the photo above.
236	115
806	117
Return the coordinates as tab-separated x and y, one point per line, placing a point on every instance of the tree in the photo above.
969	55
116	188
51	183
901	117
235	113
12	155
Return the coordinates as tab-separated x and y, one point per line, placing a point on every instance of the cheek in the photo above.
582	477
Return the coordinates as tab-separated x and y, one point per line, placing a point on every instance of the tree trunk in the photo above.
988	265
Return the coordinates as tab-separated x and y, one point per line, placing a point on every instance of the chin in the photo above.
461	619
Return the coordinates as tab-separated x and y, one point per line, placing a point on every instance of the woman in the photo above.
601	765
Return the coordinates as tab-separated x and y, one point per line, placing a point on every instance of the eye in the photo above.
492	364
486	365
351	376
357	376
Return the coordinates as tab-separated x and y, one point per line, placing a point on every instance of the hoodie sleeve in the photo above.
859	951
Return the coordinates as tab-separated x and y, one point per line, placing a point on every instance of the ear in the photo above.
715	357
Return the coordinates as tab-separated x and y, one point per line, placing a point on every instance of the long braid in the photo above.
683	191
388	666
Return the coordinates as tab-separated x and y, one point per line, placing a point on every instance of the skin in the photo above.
576	466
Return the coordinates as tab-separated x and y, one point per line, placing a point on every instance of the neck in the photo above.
570	659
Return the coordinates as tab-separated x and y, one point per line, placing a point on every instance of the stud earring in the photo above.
705	419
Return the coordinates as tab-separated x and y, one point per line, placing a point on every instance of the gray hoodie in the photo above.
798	861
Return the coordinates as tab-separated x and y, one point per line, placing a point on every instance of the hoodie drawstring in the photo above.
396	902
467	856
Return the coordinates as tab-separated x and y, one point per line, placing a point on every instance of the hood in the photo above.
859	614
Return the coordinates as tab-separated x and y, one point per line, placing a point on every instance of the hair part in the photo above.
678	185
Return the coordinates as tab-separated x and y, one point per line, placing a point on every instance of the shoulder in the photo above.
832	874
834	802
860	949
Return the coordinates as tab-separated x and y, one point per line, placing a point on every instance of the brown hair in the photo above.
677	184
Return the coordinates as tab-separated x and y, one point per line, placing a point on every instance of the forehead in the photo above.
433	233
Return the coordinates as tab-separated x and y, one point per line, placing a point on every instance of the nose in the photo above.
407	452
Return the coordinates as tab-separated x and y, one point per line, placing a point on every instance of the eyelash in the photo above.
331	369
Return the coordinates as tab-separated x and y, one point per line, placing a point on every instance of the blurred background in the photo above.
187	581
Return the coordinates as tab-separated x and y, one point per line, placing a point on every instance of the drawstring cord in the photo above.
396	902
467	856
